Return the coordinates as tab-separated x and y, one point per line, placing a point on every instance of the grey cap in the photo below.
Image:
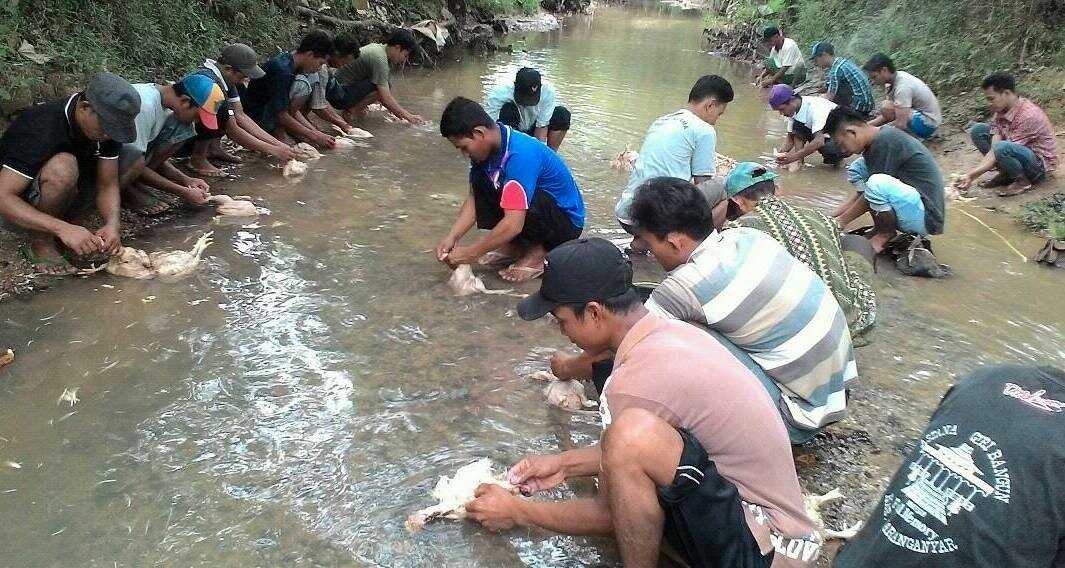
242	58
117	104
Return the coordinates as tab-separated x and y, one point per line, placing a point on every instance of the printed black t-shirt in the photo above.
983	486
45	130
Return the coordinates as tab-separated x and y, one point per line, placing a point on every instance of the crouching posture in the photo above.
53	151
898	180
1019	144
679	459
519	189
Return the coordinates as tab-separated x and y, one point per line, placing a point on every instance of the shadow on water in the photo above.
293	401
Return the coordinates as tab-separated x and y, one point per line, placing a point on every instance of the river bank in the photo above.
297	397
49	72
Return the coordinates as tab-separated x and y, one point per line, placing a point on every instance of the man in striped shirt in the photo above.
846	84
744	285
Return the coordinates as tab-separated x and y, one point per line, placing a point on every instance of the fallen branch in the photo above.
997	234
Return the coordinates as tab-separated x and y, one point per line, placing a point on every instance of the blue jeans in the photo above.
1012	159
887	193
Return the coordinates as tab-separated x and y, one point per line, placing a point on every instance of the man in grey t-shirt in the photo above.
897	178
911	105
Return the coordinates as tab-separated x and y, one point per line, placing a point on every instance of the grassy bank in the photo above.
951	44
149	40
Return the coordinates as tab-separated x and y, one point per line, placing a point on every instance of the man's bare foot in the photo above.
529	267
141	200
1016	188
44	257
223	156
878	241
205	168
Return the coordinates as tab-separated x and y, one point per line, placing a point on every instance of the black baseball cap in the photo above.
578	272
769	32
527	85
116	103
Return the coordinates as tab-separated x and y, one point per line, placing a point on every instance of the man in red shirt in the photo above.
1019	143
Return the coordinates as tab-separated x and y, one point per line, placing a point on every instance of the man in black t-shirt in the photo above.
50	151
981	489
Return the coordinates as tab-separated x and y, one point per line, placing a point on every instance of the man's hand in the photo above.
284	152
783	158
325	140
462	255
964	182
562	365
197	192
111	240
415	119
537	473
444	249
80	240
495	508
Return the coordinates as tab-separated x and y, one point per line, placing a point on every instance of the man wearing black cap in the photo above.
52	150
678	458
235	66
529	105
785	64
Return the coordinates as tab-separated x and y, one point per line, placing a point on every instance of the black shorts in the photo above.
560	119
704	519
545	223
344	97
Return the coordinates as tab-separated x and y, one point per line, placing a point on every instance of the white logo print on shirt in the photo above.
1033	399
944	481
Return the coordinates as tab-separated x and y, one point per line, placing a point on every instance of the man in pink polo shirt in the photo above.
693	450
1019	143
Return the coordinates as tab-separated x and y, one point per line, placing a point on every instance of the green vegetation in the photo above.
1046	214
951	44
507	6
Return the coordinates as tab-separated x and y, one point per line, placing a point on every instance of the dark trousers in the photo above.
1012	159
831	152
545	223
560	119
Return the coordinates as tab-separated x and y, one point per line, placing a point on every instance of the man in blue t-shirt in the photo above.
519	189
268	100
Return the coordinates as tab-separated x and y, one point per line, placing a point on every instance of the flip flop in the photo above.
533	273
1011	193
35	262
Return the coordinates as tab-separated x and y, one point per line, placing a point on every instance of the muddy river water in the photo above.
296	399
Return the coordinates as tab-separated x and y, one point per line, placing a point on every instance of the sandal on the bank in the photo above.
46	266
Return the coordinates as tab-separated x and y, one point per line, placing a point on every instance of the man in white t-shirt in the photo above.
681	144
530	105
785	64
806	123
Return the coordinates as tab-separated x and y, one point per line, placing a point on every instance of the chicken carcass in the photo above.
294	168
306	152
464	282
237	207
454	493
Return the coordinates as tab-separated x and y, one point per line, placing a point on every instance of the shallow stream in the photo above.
296	399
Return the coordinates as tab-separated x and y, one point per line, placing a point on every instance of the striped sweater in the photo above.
746	286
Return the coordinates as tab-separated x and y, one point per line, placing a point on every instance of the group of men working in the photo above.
113	142
745	348
705	381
